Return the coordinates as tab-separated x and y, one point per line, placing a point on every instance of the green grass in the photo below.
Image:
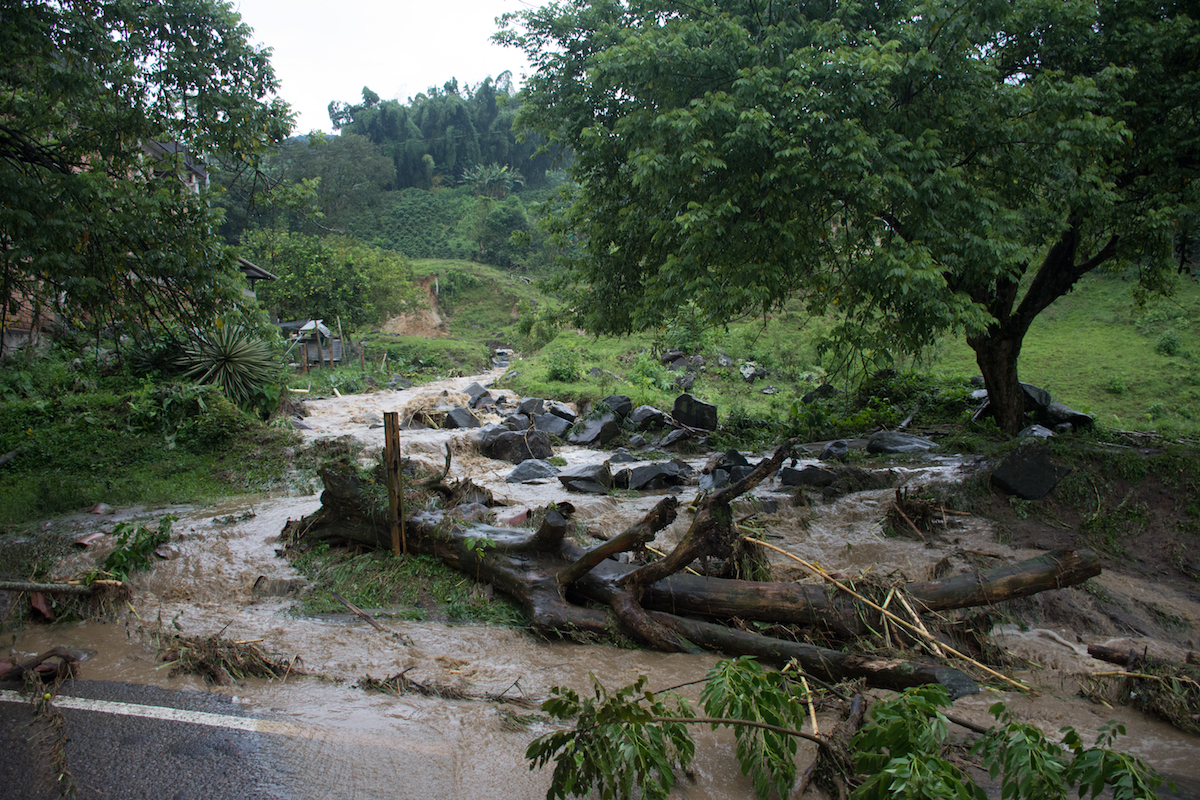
1097	352
413	587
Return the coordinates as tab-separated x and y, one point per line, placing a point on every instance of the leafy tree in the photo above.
96	223
916	166
330	277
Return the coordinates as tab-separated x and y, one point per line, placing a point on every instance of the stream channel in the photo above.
344	742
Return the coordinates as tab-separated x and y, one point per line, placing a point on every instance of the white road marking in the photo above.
251	724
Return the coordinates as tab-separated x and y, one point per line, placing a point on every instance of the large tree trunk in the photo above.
560	584
997	356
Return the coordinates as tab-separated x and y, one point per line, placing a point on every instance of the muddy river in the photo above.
353	743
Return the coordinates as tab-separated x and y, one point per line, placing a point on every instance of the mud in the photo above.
225	578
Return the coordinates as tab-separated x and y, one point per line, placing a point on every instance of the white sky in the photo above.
329	50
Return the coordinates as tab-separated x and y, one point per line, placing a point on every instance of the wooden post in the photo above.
391	450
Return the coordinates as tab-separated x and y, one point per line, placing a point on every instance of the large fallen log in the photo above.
561	584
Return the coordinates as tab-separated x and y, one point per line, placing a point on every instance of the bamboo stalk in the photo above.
812	712
931	641
903	623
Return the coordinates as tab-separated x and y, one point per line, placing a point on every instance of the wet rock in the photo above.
1035	431
622	456
724	360
621	405
638	441
399	382
678	365
531	406
807	476
561	410
300	424
475	390
1029	471
654	476
587	478
733	458
897	442
516	422
697	362
1059	414
552	424
685	382
838	449
646	417
738	473
597	430
459	417
674	438
513	447
484	400
531	470
695	413
672	355
717	479
1036	399
822	392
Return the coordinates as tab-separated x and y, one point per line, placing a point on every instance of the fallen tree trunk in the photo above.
560	583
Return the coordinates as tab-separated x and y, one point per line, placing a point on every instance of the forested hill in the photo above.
435	137
441	175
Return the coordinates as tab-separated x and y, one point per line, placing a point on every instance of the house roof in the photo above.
254	272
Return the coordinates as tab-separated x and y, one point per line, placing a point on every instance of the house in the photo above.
311	339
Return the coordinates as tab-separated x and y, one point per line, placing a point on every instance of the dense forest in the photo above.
443	175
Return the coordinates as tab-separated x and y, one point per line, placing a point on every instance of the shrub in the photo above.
1168	344
232	357
563	366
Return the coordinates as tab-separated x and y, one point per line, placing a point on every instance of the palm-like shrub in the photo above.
233	357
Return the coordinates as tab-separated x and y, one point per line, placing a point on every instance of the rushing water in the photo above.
343	741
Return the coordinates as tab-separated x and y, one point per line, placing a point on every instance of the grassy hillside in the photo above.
1095	350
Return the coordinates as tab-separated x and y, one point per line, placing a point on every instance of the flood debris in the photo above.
400	683
221	661
1169	690
55	664
686	600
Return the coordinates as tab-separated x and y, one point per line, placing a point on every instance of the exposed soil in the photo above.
425	321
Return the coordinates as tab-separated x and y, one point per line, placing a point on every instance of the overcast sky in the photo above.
328	50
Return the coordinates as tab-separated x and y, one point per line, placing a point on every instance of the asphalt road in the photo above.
126	742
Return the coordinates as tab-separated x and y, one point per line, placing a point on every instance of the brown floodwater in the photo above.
344	741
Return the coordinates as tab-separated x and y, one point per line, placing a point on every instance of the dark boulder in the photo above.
807	476
620	404
532	469
515	447
645	417
586	478
825	390
561	410
459	417
654	476
674	438
552	424
623	456
685	382
516	422
596	430
1029	471
695	413
531	406
717	479
1059	414
1036	399
1035	431
837	449
474	390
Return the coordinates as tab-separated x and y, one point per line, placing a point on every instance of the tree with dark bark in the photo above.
107	111
913	168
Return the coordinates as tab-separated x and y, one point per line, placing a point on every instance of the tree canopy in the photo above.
104	107
914	167
436	136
